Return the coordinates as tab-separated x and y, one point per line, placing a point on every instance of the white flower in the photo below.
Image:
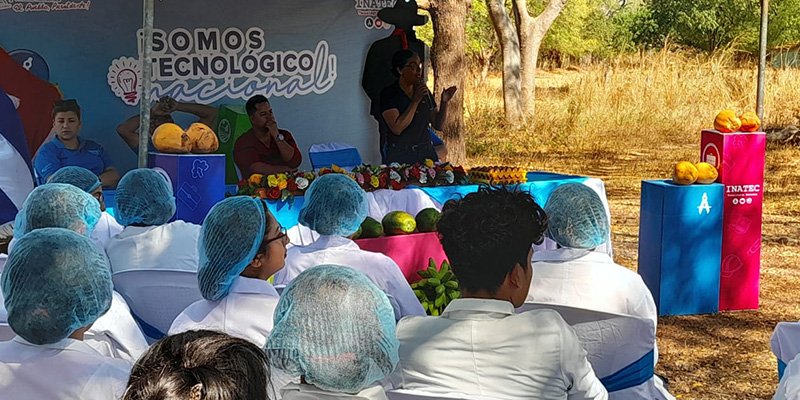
448	175
395	165
302	183
393	175
423	179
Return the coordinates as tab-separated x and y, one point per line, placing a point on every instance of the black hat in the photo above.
403	13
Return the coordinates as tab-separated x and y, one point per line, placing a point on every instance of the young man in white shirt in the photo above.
57	284
335	207
479	346
574	275
145	204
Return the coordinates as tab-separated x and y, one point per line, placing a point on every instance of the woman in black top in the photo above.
408	109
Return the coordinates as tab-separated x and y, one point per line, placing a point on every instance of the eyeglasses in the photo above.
415	66
279	236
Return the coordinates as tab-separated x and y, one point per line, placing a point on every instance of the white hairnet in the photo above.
144	197
58	205
55	282
335	205
576	217
334	327
229	239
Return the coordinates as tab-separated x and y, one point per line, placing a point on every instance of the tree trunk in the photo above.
509	45
448	54
531	32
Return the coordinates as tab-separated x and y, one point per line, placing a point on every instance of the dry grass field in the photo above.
630	120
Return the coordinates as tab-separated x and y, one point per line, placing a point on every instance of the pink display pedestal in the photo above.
739	157
410	252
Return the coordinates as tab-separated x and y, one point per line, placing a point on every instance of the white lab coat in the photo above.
481	347
66	370
246	312
105	229
301	391
171	246
115	334
789	386
337	250
589	280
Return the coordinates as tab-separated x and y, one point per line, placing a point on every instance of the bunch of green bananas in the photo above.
437	288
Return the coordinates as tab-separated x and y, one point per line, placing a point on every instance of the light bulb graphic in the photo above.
124	79
127	80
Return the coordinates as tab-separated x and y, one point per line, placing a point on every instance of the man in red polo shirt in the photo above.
265	149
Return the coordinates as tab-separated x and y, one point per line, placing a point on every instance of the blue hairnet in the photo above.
55	282
335	205
334	327
144	197
58	205
576	217
229	239
76	176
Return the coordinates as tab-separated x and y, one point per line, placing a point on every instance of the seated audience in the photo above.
84	179
480	346
67	148
264	148
574	275
145	204
161	113
335	329
57	284
241	246
56	205
335	207
200	365
789	385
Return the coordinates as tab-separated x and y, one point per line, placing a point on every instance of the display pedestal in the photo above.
739	157
680	236
198	181
410	252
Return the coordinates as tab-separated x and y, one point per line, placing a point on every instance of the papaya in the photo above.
170	138
426	220
684	173
706	173
204	140
399	223
750	122
727	121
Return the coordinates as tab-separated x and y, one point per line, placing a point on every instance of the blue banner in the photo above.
306	55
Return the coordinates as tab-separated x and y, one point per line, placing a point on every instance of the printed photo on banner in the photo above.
369	10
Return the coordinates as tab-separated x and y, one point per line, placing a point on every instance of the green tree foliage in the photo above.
784	23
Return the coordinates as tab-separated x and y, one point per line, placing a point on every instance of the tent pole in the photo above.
762	60
147	66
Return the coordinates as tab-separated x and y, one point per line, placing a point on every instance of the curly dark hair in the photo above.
487	233
203	365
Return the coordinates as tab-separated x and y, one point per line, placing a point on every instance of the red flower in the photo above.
243	183
395	185
383	179
291	185
274	193
415	172
261	193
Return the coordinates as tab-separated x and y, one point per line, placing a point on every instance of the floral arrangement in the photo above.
394	176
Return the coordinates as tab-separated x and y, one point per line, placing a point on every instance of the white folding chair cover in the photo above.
6	333
785	342
412	201
405	394
157	296
612	342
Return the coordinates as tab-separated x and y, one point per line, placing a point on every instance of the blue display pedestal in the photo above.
198	181
680	242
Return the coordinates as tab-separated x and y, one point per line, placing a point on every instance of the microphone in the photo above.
428	96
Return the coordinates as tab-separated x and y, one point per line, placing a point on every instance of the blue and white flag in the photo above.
16	175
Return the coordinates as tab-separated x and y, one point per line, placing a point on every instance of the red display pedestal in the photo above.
739	157
410	252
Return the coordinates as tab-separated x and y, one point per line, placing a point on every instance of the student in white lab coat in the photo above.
58	205
87	181
145	204
336	330
57	283
574	275
789	386
335	207
479	345
200	365
241	246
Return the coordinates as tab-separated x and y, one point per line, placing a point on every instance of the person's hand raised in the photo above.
448	94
